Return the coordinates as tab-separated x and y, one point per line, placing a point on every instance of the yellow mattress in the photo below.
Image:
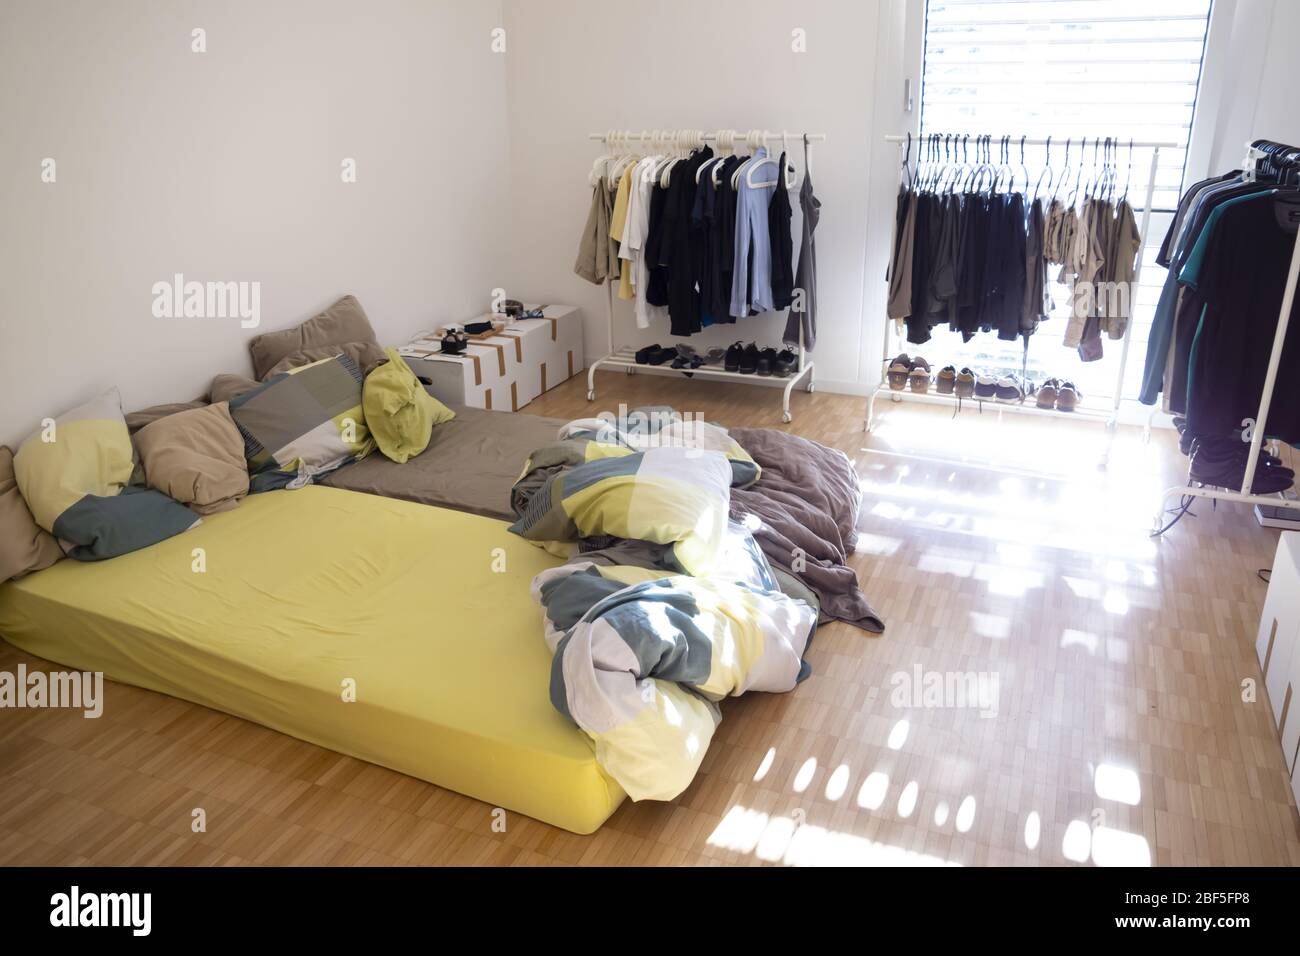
305	590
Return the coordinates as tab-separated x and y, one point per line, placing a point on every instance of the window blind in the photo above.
1128	69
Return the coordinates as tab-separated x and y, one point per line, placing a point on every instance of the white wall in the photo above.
1257	79
585	65
226	166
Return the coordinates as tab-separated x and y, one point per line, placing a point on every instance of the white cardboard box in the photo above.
1278	647
508	370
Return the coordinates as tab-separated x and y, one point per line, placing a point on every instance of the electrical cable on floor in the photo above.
1183	509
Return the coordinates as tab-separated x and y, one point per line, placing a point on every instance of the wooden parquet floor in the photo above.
996	550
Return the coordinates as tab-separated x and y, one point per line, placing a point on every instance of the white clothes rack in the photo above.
625	357
1243	495
1111	418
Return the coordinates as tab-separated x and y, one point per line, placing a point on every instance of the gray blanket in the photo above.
470	463
807	502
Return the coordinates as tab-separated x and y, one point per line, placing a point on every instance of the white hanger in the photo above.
716	158
686	141
757	164
731	151
669	140
624	156
753	139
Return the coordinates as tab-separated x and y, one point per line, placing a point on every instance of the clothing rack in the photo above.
1111	418
1244	496
625	357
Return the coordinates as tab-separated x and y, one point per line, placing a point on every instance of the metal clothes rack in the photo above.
1244	495
625	357
1112	417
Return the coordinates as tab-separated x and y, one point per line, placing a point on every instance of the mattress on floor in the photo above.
306	590
470	465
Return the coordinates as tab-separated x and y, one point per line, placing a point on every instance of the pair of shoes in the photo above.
946	381
654	355
1220	460
905	372
1063	396
1012	389
751	360
734	355
454	343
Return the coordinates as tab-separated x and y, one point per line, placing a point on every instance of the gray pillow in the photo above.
344	321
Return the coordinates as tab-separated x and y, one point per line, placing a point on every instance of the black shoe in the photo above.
986	386
643	355
785	363
732	361
766	362
661	356
749	360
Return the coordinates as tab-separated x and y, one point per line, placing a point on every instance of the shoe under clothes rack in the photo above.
1111	417
624	357
1243	495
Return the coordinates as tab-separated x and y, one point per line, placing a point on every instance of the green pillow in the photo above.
399	412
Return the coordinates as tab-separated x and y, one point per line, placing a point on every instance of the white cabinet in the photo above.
507	370
1277	646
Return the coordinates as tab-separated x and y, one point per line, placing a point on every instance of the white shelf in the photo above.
1027	407
625	358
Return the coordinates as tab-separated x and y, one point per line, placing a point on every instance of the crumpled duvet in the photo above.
641	666
663	609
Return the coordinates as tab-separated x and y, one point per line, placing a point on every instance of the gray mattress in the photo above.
470	465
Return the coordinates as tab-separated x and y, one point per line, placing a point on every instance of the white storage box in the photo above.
508	370
1278	647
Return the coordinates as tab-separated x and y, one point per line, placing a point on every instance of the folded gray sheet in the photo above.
470	463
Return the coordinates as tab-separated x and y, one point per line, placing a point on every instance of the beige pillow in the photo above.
24	546
227	386
366	354
146	416
196	457
344	321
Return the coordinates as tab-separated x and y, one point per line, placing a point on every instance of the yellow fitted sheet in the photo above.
305	589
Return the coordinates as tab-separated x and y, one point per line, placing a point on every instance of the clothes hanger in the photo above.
1065	170
765	161
1047	169
716	158
789	175
1074	193
731	150
754	142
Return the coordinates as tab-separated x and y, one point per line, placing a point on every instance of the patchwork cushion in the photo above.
72	473
367	355
344	321
24	547
399	412
303	423
196	457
